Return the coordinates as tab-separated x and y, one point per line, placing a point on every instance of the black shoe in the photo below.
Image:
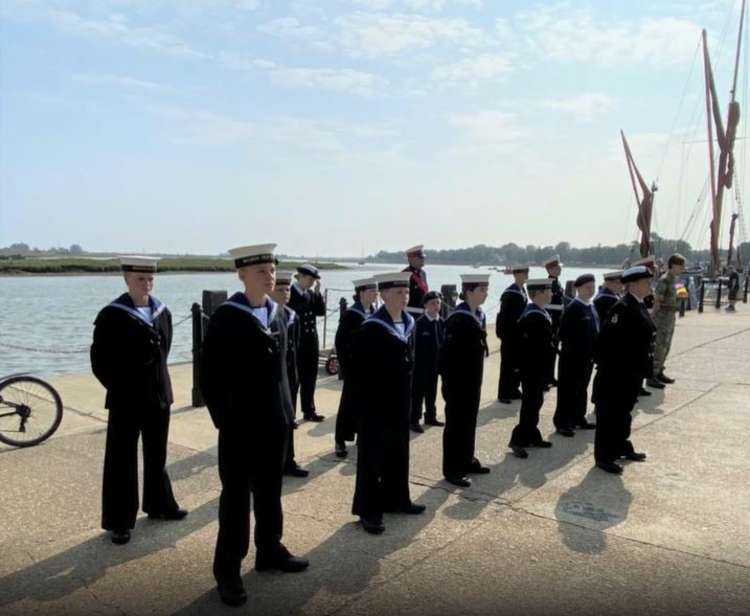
410	509
541	444
296	471
177	514
504	400
120	537
519	452
635	456
415	427
654	384
644	392
477	469
664	378
461	482
565	432
314	417
585	425
341	451
232	593
372	526
295	425
432	421
610	467
282	561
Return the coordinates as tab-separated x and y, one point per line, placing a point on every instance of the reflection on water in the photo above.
57	312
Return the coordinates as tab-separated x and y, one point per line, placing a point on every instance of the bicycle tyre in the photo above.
58	412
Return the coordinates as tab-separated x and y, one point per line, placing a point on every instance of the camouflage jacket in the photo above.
666	294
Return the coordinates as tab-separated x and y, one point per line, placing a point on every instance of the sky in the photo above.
343	127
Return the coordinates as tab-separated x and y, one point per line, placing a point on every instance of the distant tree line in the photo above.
599	255
21	249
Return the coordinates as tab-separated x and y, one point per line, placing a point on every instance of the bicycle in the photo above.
30	410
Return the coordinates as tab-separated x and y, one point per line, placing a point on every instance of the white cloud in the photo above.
116	28
474	70
373	34
583	106
338	80
487	127
292	29
416	5
565	34
121	81
201	127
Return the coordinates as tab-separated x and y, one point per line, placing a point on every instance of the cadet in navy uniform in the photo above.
132	338
461	368
623	359
579	328
512	304
244	383
609	294
555	307
347	335
417	282
385	349
537	353
428	339
280	295
308	303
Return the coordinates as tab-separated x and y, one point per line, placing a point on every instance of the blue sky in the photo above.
337	127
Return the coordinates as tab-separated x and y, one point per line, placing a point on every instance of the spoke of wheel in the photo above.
42	405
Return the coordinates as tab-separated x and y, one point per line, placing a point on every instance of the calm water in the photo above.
57	312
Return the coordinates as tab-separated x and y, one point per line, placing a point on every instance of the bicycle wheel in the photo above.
30	411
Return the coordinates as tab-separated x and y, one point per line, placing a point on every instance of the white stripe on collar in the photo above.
269	303
155	312
392	329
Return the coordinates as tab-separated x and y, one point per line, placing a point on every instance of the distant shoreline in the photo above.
82	266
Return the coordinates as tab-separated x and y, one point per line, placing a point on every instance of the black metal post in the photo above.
343	306
744	295
718	295
682	308
197	313
702	295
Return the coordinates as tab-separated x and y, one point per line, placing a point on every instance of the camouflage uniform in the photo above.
664	319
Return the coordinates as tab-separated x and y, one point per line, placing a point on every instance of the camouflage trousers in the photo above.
665	322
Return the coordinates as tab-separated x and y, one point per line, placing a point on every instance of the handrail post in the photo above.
197	312
702	296
325	318
718	295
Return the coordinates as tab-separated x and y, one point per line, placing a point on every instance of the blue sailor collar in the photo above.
382	318
240	302
359	309
463	308
532	307
514	288
606	291
290	315
125	302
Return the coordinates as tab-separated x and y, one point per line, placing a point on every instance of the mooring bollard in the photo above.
197	312
702	295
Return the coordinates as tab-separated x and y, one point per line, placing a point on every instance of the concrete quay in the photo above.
546	535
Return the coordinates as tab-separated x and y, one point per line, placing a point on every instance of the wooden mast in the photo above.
724	138
645	203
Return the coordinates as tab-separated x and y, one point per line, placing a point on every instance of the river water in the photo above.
55	314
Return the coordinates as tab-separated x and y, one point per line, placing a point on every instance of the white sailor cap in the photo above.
637	272
552	261
415	251
138	264
284	277
256	254
613	275
363	284
519	268
474	280
392	280
538	284
308	269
